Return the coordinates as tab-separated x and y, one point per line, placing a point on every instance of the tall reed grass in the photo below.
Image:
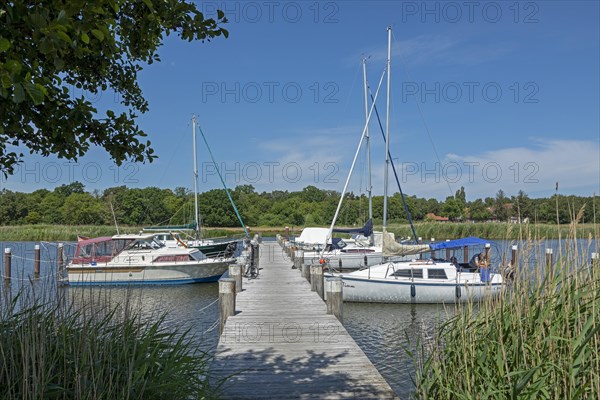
539	340
54	348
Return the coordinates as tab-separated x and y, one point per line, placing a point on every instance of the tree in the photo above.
48	47
500	211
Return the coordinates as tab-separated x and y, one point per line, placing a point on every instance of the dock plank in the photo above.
282	344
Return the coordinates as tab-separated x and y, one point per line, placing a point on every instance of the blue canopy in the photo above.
366	230
453	244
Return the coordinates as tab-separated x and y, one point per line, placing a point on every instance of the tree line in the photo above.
71	204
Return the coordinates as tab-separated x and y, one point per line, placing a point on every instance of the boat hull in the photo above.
404	291
170	274
214	249
349	261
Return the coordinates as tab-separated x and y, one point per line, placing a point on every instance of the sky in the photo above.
487	95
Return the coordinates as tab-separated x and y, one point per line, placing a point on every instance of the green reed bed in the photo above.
539	340
52	351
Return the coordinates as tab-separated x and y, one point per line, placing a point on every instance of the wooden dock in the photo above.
282	344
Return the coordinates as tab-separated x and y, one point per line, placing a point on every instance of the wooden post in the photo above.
335	298
287	233
513	257
447	252
7	264
59	257
306	272
36	261
299	259
235	272
313	277
226	301
256	255
319	283
432	251
549	265
466	254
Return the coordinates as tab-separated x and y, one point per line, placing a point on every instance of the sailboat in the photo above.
209	247
419	280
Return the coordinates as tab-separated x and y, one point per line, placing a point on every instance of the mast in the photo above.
387	132
197	227
369	186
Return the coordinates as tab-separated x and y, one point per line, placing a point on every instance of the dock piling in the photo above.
36	261
513	257
318	281
226	301
335	302
7	264
306	272
235	272
59	257
549	265
298	259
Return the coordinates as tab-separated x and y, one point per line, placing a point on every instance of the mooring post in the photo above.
306	272
36	261
235	272
447	252
226	301
335	302
313	277
549	265
298	258
7	264
318	281
59	257
287	233
432	251
513	257
466	254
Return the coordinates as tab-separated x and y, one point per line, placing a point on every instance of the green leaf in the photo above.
35	92
98	34
19	93
63	36
85	38
4	44
149	4
61	16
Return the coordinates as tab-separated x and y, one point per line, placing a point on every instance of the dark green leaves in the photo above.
48	47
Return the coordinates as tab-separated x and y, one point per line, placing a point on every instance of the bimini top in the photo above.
453	244
313	236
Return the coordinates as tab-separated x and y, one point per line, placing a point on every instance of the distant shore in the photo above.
425	230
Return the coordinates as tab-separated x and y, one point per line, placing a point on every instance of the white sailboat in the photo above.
416	281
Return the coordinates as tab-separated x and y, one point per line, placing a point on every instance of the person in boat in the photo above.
477	261
454	261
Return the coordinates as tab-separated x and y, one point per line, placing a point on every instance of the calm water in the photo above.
383	331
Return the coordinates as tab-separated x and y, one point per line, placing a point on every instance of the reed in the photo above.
94	351
540	339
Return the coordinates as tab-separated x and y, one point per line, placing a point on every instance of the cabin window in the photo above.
408	273
436	274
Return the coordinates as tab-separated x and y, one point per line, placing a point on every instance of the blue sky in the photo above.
486	95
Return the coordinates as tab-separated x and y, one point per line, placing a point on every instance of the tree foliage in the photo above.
49	47
71	204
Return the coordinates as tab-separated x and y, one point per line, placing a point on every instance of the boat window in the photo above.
436	273
103	249
408	273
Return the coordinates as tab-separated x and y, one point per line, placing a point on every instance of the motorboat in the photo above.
140	259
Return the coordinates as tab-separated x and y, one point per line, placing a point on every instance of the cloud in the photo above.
575	164
438	49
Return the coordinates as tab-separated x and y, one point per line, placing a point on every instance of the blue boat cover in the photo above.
366	230
453	244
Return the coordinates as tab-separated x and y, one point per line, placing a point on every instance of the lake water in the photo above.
383	331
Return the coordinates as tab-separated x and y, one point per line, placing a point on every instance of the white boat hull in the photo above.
404	291
167	274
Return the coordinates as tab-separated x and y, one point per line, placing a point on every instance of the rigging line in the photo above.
437	156
237	213
410	221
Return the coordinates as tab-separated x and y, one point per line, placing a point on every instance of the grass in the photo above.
426	230
56	351
540	340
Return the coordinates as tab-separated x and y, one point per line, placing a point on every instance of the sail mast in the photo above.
368	139
197	227
387	132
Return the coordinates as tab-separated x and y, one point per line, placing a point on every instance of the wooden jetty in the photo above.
281	343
